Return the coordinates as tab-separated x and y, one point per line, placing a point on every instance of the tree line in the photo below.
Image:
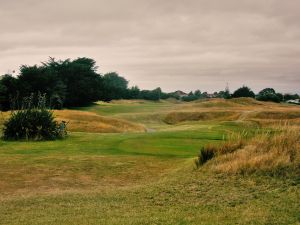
74	83
267	94
68	83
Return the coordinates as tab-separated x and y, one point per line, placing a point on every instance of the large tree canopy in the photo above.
8	91
65	82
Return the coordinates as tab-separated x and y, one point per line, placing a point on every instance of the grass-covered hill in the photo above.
133	162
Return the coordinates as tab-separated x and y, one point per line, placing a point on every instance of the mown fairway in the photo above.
147	174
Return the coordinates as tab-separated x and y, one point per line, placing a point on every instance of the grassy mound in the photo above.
177	117
215	102
80	121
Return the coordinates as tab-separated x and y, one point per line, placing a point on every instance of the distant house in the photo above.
214	95
296	101
180	94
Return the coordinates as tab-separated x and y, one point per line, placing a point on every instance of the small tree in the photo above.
243	92
33	122
226	94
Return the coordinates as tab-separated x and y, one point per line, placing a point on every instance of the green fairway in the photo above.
138	178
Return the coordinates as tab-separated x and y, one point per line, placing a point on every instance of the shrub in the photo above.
205	154
33	122
234	142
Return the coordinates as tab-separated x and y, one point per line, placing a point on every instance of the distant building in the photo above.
180	94
295	101
214	95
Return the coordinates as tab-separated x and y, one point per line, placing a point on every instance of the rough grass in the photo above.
274	153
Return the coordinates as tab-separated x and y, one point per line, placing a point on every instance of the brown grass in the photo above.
276	153
48	174
80	121
233	143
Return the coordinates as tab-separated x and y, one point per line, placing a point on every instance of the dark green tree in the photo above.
133	93
243	92
198	94
114	86
9	89
268	94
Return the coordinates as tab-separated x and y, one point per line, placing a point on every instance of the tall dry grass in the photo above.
233	142
276	153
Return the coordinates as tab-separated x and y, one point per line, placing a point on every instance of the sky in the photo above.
174	44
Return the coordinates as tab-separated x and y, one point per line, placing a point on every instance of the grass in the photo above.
137	177
79	121
275	153
178	117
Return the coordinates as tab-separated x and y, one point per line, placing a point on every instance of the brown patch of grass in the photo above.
90	122
80	173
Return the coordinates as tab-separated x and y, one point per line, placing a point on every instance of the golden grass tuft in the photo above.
234	142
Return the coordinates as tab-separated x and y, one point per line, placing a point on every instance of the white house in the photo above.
296	101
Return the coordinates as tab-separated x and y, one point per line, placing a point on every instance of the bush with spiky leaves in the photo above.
33	122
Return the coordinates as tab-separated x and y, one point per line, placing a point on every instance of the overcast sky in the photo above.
172	44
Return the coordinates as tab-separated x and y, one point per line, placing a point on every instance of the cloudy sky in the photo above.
173	44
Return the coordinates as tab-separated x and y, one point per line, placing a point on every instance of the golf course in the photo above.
137	162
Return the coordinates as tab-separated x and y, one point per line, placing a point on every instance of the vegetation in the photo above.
149	177
269	94
274	153
33	122
243	92
69	83
287	97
